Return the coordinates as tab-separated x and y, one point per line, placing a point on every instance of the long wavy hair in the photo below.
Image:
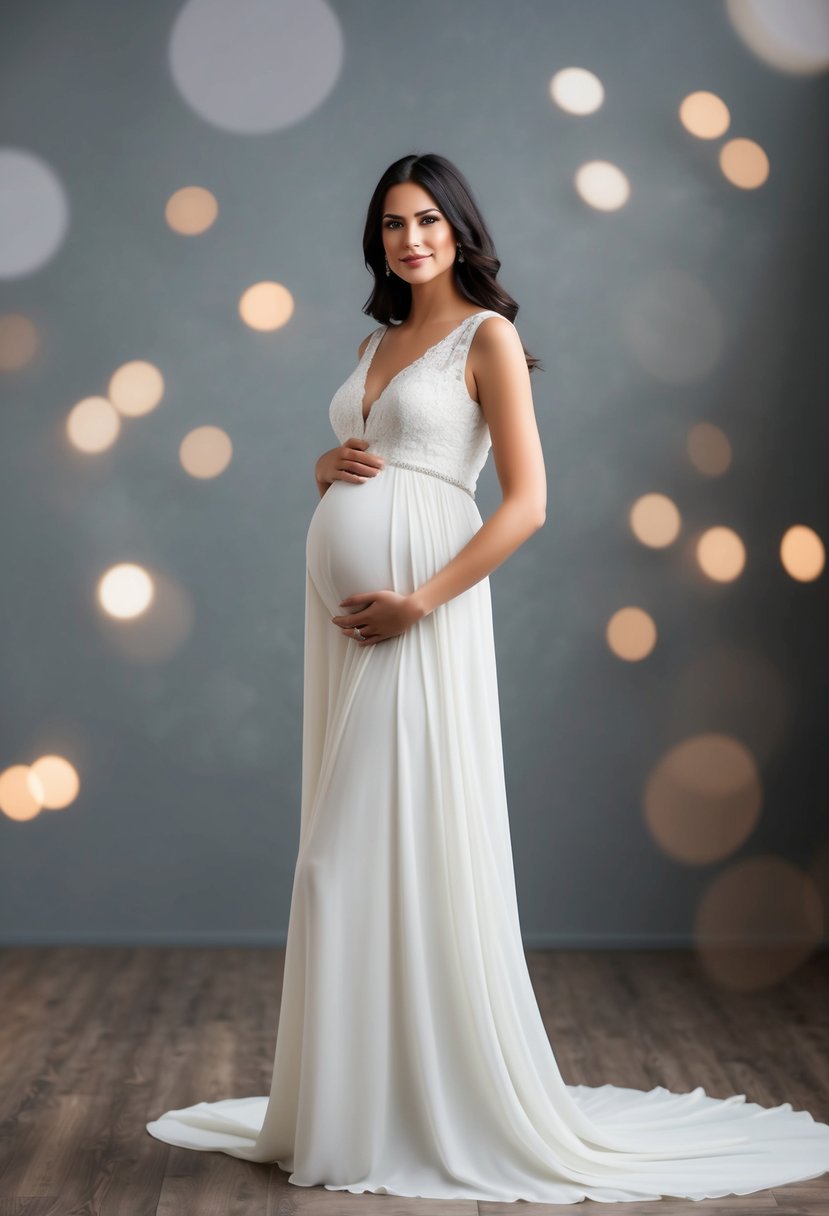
475	277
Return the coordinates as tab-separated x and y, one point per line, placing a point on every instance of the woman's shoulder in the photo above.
493	319
494	330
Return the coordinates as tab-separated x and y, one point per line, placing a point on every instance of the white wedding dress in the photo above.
411	1057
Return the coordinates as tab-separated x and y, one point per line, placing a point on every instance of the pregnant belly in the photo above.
392	532
349	546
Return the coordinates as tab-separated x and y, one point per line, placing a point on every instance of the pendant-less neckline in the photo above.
368	359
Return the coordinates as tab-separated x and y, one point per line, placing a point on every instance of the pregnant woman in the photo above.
411	1057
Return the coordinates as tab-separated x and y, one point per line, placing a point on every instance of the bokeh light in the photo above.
704	115
709	450
20	796
721	554
191	210
255	66
655	520
577	91
34	213
802	553
136	388
93	424
18	341
744	163
703	798
631	633
125	591
266	306
206	451
602	185
757	921
56	781
791	36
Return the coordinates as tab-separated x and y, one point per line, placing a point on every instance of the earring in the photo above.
386	260
460	253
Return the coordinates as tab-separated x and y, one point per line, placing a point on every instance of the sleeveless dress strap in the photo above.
459	349
374	338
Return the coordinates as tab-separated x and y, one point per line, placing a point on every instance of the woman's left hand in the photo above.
384	615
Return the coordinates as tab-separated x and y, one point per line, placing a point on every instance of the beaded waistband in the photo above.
419	468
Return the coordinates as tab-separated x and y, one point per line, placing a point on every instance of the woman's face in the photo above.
413	224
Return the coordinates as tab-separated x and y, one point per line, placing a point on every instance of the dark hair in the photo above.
475	276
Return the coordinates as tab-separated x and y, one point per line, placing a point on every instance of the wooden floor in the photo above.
94	1042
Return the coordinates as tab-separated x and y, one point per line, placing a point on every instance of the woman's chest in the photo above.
421	402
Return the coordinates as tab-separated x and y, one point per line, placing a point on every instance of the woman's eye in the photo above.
431	219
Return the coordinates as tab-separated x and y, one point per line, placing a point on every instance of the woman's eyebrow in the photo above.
389	215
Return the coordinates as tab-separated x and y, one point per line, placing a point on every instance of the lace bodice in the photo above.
424	418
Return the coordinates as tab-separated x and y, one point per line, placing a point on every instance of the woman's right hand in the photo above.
348	462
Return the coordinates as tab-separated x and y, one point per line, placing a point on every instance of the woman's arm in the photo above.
499	366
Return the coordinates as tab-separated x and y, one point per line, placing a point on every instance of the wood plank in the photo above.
97	1041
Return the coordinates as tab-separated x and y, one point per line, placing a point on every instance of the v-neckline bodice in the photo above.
371	350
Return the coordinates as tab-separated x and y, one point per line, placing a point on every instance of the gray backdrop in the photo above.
186	824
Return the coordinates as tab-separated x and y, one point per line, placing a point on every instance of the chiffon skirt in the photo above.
411	1057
